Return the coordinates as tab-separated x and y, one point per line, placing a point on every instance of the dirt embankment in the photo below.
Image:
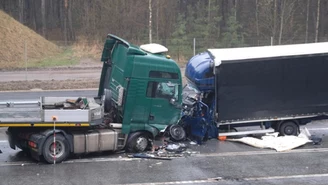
15	39
49	85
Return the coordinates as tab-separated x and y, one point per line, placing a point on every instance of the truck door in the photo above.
162	112
136	107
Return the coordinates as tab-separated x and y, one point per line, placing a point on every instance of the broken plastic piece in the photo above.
147	156
176	147
316	140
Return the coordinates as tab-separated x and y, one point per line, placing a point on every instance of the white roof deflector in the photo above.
154	48
245	53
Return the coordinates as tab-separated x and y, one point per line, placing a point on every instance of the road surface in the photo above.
215	162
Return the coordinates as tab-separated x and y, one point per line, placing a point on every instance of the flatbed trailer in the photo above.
64	111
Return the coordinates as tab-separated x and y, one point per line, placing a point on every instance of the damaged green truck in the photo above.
140	88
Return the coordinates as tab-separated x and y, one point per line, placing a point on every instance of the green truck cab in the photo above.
141	85
139	98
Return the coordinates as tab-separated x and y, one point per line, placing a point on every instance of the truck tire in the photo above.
62	149
289	128
137	142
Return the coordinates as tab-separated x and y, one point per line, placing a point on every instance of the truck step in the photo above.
264	131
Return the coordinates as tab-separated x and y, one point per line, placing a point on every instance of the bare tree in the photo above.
21	10
150	23
209	11
65	21
257	22
283	6
318	21
236	2
274	20
43	15
157	12
307	21
287	9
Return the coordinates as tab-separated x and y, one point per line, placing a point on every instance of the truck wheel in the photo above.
289	128
138	142
62	149
177	133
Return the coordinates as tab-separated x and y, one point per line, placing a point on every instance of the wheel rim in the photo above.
177	132
289	130
60	149
142	143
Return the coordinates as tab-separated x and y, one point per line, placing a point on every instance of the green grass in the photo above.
64	58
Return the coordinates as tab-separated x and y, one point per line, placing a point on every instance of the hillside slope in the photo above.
13	36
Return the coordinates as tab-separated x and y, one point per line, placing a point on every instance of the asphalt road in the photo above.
300	166
215	162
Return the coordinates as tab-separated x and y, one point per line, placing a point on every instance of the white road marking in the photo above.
312	129
220	179
100	160
285	177
223	154
174	182
19	163
3	141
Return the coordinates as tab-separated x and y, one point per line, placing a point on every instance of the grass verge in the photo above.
65	58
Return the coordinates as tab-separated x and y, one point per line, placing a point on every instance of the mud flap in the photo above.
11	140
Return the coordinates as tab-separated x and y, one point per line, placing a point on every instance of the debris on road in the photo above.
0	152
149	156
165	150
316	140
176	147
280	144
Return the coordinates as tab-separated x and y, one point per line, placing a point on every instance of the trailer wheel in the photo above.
138	142
62	149
288	128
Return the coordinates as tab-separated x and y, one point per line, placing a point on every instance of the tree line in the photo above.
175	23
